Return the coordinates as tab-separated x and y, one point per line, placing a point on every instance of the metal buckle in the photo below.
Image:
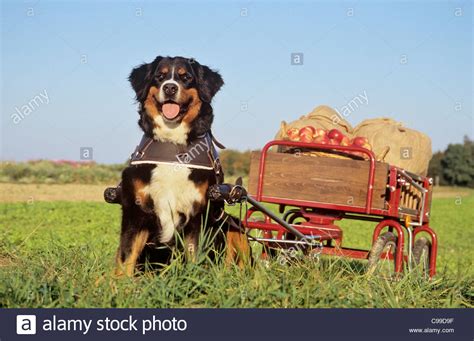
137	155
217	166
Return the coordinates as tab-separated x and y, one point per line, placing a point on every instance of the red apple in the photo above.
307	130
346	141
319	132
360	141
321	140
335	135
306	138
293	134
363	142
334	142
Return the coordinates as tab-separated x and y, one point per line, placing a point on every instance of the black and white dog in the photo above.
159	200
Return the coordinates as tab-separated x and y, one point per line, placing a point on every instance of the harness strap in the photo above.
216	142
200	153
141	148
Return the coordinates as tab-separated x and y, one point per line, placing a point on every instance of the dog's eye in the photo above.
186	77
160	77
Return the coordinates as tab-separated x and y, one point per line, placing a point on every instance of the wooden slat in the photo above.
318	179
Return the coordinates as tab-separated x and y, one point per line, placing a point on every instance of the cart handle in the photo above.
232	194
312	145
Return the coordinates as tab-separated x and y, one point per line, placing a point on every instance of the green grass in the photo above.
60	254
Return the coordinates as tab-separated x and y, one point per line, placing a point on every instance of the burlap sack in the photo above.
321	117
396	144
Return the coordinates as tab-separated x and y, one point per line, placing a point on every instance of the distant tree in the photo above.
458	163
469	145
235	162
435	169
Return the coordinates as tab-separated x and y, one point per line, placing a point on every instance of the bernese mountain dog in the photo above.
161	200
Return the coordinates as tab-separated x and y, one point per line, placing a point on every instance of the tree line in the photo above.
455	165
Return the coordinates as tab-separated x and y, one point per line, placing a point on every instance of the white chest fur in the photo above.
174	132
172	193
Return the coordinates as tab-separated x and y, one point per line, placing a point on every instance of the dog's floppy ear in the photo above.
141	77
209	81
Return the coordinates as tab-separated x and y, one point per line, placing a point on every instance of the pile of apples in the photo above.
332	137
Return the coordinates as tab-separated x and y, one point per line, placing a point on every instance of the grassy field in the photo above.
60	254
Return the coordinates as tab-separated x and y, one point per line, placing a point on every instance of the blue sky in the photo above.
412	59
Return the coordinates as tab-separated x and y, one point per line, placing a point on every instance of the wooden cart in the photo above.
314	193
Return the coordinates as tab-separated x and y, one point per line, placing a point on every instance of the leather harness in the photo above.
200	153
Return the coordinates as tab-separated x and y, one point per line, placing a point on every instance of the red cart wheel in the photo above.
422	256
382	255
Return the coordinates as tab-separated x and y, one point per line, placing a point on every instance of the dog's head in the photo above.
173	92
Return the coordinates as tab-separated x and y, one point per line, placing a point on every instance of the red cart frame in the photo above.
320	217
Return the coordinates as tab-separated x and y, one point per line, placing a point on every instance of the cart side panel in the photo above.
411	197
318	179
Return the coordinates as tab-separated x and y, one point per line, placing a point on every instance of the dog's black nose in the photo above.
170	89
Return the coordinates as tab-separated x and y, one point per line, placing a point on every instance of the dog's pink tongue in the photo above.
170	110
